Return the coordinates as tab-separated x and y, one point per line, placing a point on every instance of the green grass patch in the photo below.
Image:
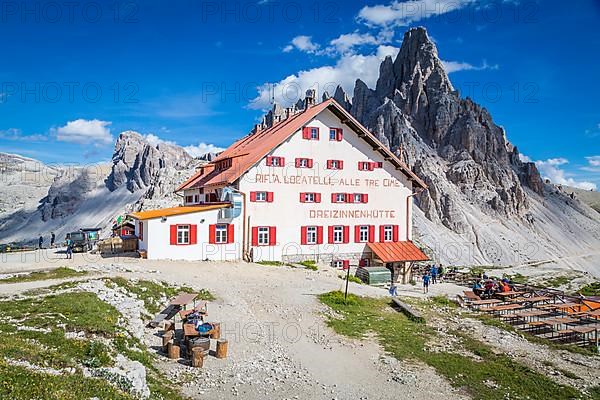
272	263
593	289
58	273
408	340
517	278
557	281
18	383
443	301
309	264
351	278
152	293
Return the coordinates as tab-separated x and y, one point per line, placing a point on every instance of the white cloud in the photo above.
455	66
302	43
326	78
155	140
524	158
202	148
404	13
594	161
87	132
550	169
346	42
18	135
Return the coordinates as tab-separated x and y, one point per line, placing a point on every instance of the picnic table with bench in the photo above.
504	307
506	295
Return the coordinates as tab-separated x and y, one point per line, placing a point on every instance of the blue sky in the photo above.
76	74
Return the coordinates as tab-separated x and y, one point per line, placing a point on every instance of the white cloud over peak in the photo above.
82	131
551	169
202	148
346	42
405	13
302	43
455	66
346	70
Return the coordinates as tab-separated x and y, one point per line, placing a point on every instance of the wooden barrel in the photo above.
173	351
197	357
198	342
221	348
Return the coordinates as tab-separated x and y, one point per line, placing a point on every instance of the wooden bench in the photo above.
407	310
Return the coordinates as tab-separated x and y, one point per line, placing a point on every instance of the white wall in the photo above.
157	238
288	214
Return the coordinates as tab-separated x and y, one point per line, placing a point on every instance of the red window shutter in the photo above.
360	166
269	161
302	198
319	235
230	233
173	235
193	234
395	233
255	236
339	134
329	164
365	198
272	236
281	161
340	164
310	163
269	197
371	233
303	235
382	233
349	197
330	234
333	199
346	234
317	197
306	133
298	160
252	196
357	234
372	166
346	264
212	234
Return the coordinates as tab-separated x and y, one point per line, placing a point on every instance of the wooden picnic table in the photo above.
189	330
533	313
504	307
532	299
184	299
201	308
485	302
559	321
508	294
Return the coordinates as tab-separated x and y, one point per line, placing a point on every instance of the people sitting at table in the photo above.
489	288
477	288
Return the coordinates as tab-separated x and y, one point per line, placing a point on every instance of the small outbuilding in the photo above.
398	257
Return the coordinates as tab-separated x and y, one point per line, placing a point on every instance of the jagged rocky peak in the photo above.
342	98
137	162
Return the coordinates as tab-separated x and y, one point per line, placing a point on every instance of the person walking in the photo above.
69	248
40	242
433	274
426	279
52	239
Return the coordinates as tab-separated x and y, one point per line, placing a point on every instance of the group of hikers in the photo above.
431	276
487	287
68	241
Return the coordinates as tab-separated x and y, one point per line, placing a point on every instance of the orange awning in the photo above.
397	251
169	212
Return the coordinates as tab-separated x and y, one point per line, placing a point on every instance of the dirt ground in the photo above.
279	345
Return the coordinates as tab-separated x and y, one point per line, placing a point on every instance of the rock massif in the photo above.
481	196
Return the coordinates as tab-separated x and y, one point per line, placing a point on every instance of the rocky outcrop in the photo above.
414	108
137	163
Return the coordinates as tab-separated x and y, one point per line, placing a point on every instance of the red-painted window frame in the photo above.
339	162
366	165
307	133
339	134
272	236
280	163
309	162
304	235
317	197
269	196
212	234
193	235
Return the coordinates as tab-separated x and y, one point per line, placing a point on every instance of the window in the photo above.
358	198
363	234
263	236
332	134
183	234
273	161
338	197
366	166
309	197
304	162
310	133
311	235
338	234
341	264
141	230
261	196
221	233
335	164
388	233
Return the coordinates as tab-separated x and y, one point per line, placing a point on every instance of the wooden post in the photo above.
222	348
173	351
166	339
216	330
197	357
